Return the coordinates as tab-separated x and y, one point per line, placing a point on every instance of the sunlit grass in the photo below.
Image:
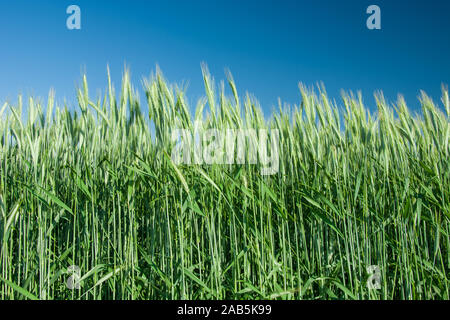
96	188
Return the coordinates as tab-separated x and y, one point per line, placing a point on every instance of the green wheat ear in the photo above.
94	187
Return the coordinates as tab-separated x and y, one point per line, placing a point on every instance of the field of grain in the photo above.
93	193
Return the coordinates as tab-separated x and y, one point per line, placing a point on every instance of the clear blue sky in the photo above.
269	46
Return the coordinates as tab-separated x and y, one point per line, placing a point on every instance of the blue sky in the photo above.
269	46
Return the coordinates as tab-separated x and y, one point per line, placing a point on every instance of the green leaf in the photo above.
20	290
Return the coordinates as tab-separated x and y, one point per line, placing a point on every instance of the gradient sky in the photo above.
269	46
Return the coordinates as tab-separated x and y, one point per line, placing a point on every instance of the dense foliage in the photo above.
96	188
